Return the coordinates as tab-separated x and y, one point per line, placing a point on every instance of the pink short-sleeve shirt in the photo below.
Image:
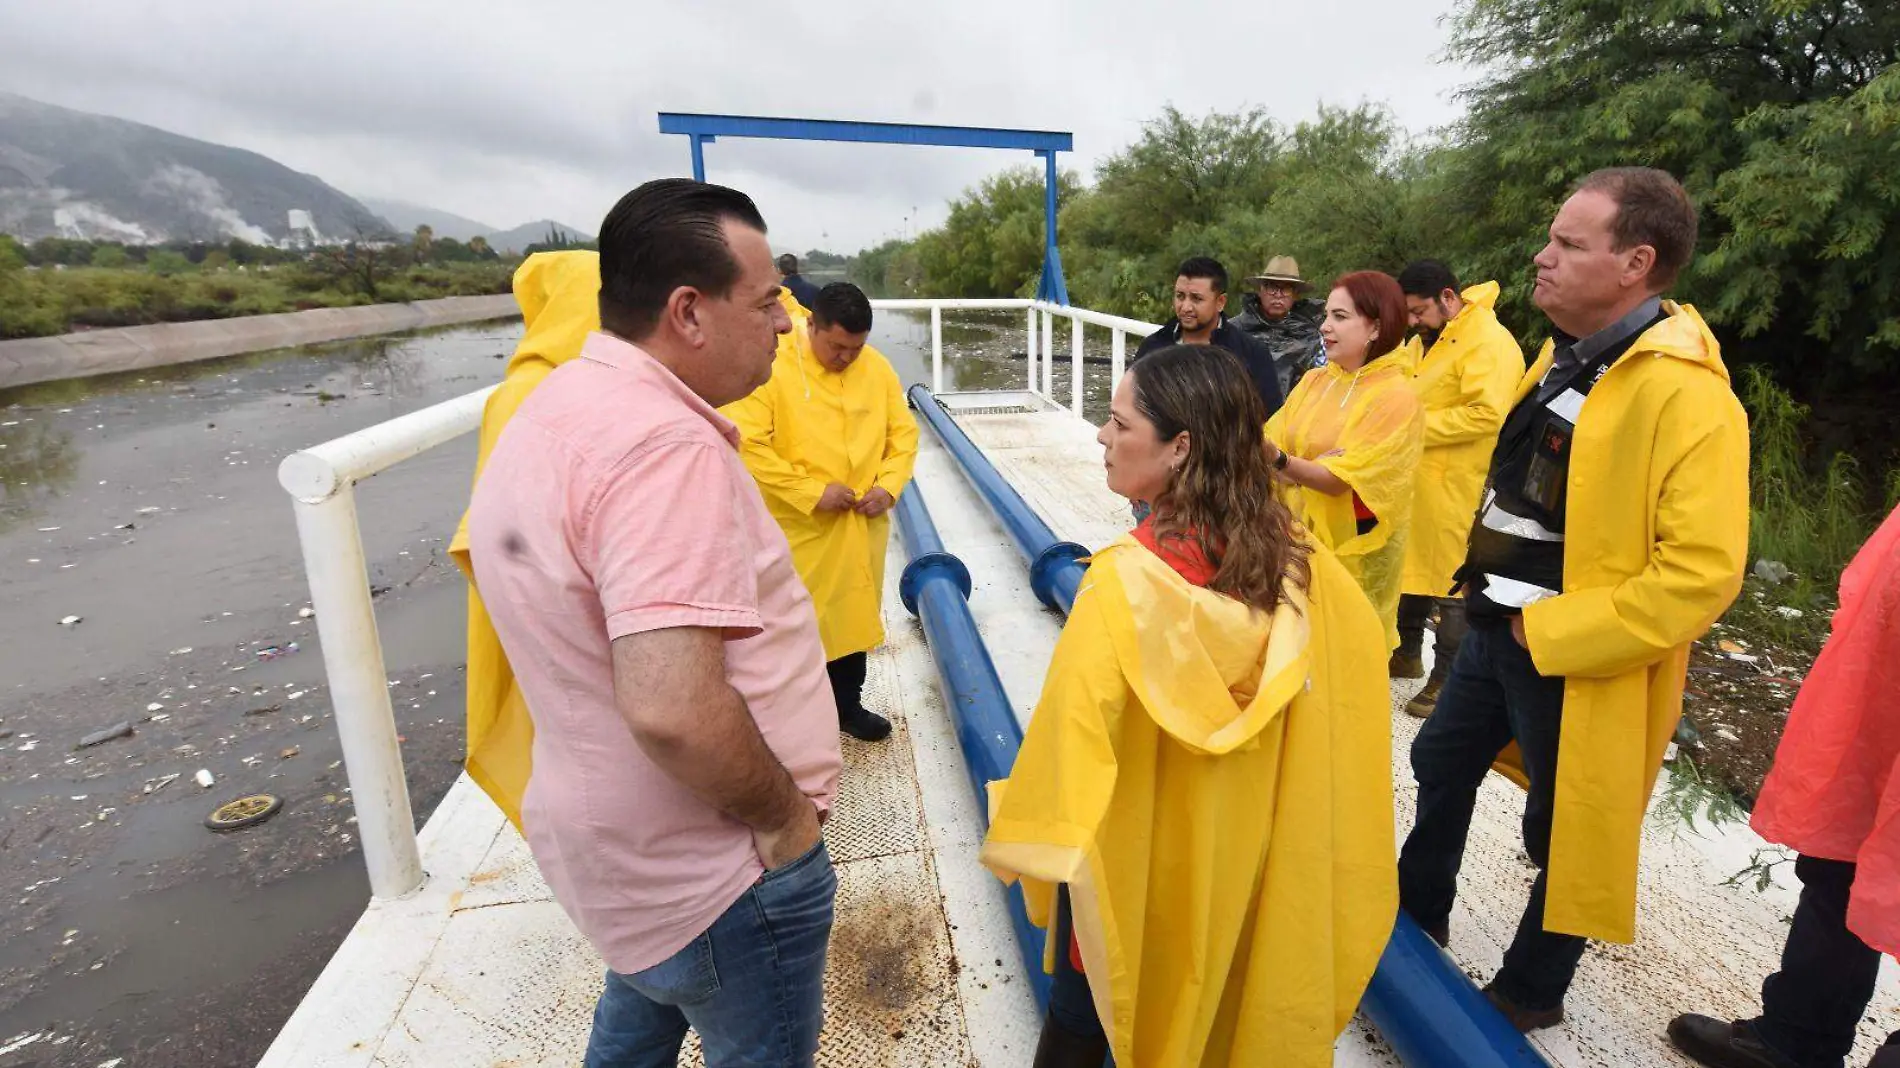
614	503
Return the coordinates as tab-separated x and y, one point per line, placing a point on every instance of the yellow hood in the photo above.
1684	336
559	294
1484	295
1217	679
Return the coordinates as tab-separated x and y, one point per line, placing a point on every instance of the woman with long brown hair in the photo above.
1202	807
1346	445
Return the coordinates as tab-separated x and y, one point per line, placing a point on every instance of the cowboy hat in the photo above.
1281	269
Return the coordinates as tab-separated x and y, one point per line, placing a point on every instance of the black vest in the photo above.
1518	533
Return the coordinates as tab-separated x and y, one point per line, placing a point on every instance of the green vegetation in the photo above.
56	285
1781	117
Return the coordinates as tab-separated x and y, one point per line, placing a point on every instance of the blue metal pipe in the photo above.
1055	567
1431	1014
935	586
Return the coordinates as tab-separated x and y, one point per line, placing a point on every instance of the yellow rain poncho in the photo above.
1374	423
1215	787
1656	536
1465	383
808	427
559	294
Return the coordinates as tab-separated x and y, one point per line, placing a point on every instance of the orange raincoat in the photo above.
1834	791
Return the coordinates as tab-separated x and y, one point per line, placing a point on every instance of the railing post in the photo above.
1031	350
1075	365
1117	357
1048	355
359	690
936	348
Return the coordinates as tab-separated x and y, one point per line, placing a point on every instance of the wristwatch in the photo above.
1280	461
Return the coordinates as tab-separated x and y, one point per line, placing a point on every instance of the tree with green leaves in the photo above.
1781	117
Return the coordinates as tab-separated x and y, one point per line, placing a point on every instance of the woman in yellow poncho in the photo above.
1347	443
1208	772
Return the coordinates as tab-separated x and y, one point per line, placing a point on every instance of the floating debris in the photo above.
72	621
116	731
204	778
153	786
306	613
272	652
289	752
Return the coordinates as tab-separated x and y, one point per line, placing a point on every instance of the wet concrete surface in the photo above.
147	505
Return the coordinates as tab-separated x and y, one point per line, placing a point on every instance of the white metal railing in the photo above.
321	481
1041	358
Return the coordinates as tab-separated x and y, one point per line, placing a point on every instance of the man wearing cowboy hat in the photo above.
1276	315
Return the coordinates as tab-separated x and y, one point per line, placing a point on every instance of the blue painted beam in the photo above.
889	133
935	587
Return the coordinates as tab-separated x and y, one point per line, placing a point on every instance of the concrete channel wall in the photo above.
134	348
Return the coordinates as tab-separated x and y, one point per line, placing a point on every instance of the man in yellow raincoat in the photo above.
559	295
1613	533
1465	369
831	442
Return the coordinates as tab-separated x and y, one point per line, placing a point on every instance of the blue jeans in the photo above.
1493	695
752	985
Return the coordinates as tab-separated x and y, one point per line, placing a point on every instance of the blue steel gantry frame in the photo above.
704	128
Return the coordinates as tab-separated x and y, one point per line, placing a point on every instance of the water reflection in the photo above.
37	463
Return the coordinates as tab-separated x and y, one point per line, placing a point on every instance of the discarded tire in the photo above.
244	812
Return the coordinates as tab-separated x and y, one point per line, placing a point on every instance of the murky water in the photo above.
147	505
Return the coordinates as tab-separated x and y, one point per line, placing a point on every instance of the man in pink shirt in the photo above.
685	747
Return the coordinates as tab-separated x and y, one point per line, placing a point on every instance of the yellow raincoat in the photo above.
1215	787
1656	536
1374	419
1465	383
559	294
808	427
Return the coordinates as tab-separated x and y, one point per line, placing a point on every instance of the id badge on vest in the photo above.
1548	470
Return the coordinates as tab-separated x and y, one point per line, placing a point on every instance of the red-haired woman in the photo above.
1347	442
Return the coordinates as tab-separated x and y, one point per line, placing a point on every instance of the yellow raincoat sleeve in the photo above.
1044	831
1695	567
900	442
1487	378
1276	423
559	297
788	480
1381	446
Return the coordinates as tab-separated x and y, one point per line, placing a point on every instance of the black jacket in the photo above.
1253	355
802	291
1293	340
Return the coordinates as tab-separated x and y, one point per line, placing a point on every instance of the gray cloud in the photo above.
514	114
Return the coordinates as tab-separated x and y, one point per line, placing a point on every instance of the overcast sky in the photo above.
523	113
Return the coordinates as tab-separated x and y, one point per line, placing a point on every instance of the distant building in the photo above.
303	230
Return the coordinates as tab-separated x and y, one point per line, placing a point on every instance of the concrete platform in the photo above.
481	967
